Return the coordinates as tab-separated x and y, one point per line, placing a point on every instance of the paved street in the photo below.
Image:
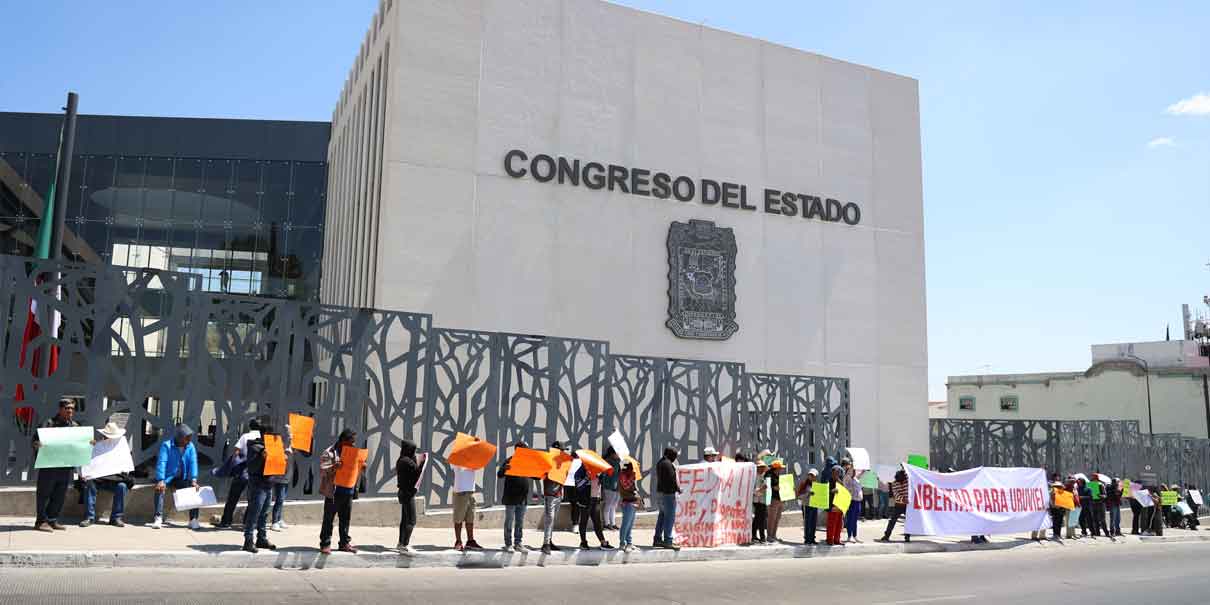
1105	573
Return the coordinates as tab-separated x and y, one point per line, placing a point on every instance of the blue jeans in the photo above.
667	518
279	498
850	522
514	523
628	512
884	504
258	509
90	499
1115	520
178	483
810	517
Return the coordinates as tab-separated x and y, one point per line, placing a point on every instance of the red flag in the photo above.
32	331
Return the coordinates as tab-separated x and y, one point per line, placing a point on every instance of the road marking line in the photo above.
957	597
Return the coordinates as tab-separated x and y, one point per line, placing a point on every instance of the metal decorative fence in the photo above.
1113	447
152	349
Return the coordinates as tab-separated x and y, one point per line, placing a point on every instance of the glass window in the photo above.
275	204
1009	403
99	189
40	171
245	205
187	184
75	195
216	206
307	208
157	201
966	403
128	194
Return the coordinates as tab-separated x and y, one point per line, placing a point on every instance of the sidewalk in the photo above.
177	546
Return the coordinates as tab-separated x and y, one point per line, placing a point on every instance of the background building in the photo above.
423	215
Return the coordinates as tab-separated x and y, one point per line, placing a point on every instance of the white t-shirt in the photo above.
464	480
242	444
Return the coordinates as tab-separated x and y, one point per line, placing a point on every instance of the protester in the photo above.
899	496
1165	510
279	485
1073	516
552	495
884	499
854	486
52	482
1113	500
237	466
810	514
1058	515
760	512
176	468
119	485
710	454
407	476
464	508
628	492
666	491
869	510
259	490
609	488
588	490
338	500
1136	513
1085	515
515	500
834	514
579	513
1191	520
1096	515
775	503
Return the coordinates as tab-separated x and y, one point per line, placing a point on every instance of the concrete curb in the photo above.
310	558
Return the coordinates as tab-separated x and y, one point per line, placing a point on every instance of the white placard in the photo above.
1183	508
976	502
1143	497
860	458
1197	497
619	445
886	472
109	457
189	498
571	473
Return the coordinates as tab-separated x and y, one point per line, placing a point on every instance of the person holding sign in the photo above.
464	508
628	492
899	495
776	505
552	497
52	481
175	467
1061	502
266	458
515	499
1113	501
835	515
407	477
609	488
810	514
1096	511
760	503
279	485
853	484
337	480
118	483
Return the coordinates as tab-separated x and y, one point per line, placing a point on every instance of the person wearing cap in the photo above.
119	485
775	504
1058	515
710	454
810	514
552	497
52	482
628	492
666	489
760	511
407	476
899	498
260	490
176	468
515	499
852	484
1073	516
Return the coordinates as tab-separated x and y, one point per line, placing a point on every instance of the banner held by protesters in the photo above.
975	502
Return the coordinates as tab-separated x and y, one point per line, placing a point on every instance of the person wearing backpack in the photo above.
259	490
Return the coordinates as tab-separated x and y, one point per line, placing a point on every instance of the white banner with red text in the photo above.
714	507
976	502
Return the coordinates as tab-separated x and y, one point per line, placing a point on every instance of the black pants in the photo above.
899	509
1136	511
51	492
760	520
407	520
233	494
1085	513
1096	518
868	511
593	512
1058	520
342	505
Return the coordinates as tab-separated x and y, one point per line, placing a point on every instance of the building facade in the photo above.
580	169
1161	387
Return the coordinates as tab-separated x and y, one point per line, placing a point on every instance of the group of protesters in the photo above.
595	498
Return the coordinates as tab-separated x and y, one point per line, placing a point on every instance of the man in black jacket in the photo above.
515	500
53	482
407	474
257	512
666	489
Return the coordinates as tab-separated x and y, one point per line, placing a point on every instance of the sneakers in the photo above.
194	525
44	526
520	548
606	546
554	548
249	546
86	523
473	545
546	549
56	525
157	522
459	547
584	545
266	544
883	539
276	526
325	550
282	525
349	548
671	546
405	549
118	522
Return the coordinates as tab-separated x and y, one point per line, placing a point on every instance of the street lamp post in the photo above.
1147	380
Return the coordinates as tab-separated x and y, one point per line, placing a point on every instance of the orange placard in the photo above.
302	428
634	465
275	456
529	463
559	456
1064	499
351	461
471	452
594	463
559	474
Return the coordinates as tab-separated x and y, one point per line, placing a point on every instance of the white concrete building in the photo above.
428	210
1115	387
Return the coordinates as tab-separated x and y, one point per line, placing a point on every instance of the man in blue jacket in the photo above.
176	467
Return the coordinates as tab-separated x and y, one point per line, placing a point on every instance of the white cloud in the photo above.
1197	105
1161	142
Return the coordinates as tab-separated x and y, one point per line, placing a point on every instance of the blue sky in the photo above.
1065	204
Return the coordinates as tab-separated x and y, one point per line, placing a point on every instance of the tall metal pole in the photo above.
67	144
1206	398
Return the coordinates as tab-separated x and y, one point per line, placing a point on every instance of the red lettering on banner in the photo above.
916	496
715	507
978	500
